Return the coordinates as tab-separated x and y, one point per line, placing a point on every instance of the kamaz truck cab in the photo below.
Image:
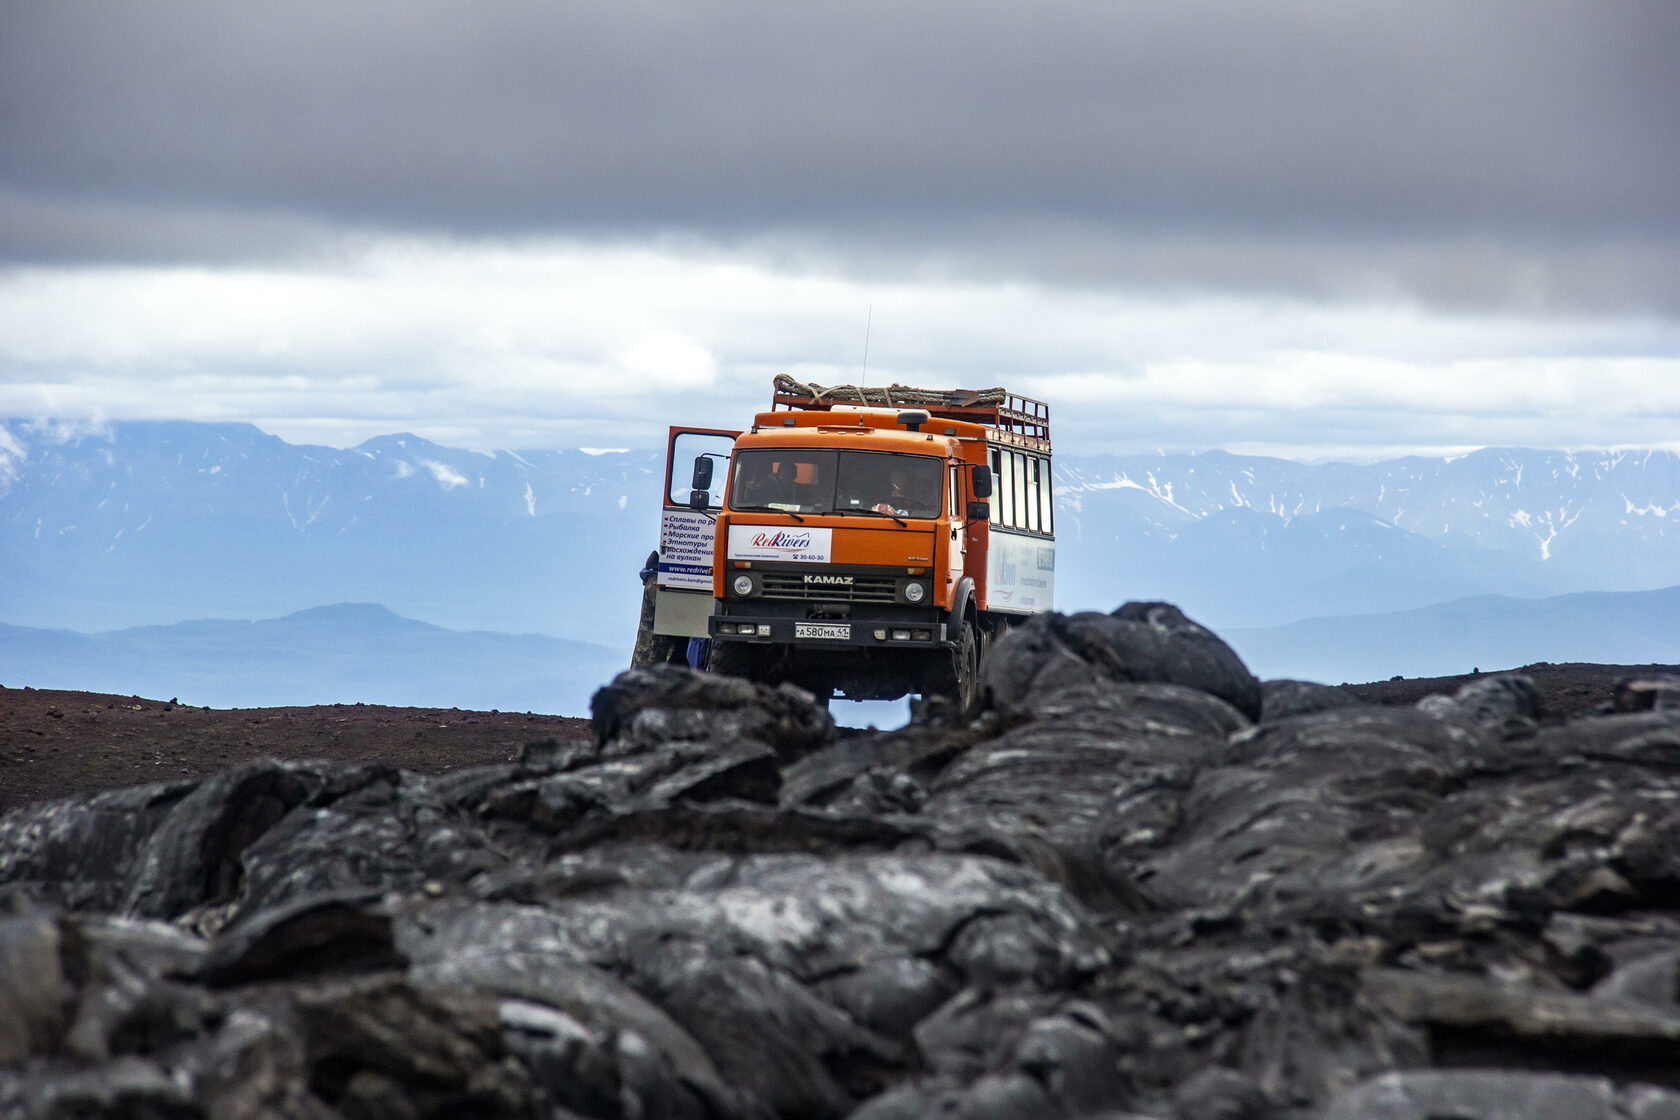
870	543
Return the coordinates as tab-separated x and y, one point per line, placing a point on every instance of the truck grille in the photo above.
862	589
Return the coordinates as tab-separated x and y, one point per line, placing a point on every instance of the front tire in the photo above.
966	695
734	659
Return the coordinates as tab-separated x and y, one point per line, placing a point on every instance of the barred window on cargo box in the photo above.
1046	518
1005	504
1018	471
1030	504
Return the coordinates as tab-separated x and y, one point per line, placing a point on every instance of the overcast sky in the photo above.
1316	229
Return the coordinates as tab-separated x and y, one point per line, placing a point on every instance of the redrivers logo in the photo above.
782	539
788	546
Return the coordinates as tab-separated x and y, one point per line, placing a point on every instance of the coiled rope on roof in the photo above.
893	396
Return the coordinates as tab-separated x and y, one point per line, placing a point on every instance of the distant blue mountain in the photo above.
337	654
154	522
1486	632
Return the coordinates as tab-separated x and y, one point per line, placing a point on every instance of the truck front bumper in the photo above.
824	634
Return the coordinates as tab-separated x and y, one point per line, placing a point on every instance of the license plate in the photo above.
842	632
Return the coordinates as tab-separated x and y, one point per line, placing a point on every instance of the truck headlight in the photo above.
743	585
914	592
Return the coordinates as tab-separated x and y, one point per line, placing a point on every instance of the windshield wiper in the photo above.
766	508
878	513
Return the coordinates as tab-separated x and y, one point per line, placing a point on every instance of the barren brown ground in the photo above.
1566	689
56	743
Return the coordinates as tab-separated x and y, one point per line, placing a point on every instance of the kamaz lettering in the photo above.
831	581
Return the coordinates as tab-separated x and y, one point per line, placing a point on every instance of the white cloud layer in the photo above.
565	344
1290	226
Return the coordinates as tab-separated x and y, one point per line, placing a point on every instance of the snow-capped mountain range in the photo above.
1259	541
1536	504
154	522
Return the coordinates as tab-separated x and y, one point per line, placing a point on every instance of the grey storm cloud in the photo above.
1498	152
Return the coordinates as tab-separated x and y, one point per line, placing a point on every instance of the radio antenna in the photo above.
867	323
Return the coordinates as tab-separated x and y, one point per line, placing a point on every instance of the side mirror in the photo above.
699	499
702	474
981	484
979	511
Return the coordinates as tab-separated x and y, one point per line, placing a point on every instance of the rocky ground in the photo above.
55	743
1141	886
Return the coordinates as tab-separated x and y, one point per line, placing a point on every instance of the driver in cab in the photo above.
898	497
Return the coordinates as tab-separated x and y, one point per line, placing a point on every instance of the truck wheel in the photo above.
967	693
733	659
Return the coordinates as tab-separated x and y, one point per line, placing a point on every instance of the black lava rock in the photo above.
1145	886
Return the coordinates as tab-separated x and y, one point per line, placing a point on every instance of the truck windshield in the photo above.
797	480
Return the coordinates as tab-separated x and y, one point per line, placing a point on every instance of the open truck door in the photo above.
696	472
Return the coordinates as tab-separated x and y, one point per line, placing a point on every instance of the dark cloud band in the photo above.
1539	131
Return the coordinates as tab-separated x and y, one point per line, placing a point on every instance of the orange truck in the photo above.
862	542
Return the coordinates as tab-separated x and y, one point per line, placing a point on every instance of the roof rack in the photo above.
1012	418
